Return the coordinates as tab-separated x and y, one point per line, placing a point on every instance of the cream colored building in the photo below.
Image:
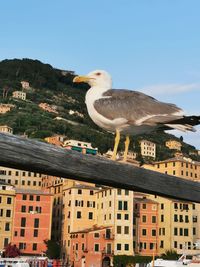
148	149
173	144
79	211
7	196
178	166
115	208
6	129
5	108
177	227
25	84
21	179
19	95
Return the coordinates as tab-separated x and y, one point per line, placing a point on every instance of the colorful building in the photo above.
7	197
79	211
145	226
115	208
178	166
92	247
19	95
21	179
6	129
32	221
80	146
56	140
6	108
148	149
173	144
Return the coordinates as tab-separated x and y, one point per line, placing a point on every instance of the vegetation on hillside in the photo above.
55	87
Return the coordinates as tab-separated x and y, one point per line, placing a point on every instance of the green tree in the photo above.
170	255
53	249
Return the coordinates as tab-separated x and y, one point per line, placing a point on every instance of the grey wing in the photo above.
135	107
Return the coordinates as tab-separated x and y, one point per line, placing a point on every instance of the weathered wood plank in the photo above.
31	155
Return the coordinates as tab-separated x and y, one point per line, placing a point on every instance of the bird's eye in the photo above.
98	73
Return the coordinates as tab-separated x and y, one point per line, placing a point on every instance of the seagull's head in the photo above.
97	78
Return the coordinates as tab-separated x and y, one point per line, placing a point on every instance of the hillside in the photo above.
55	87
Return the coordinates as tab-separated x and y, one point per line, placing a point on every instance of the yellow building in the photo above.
178	166
115	208
79	211
173	144
21	179
148	149
6	108
7	196
177	229
6	129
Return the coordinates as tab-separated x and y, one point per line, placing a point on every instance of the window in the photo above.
34	246
119	191
22	245
162	218
24	197
186	232
36	223
119	216
194	231
22	232
6	241
1	212
119	229
144	232
151	245
78	214
90	215
29	183
91	192
96	247
96	235
126	192
23	182
79	192
175	231
30	208
175	218
181	231
23	208
7	226
31	197
153	232
126	216
119	246
119	205
161	244
153	219
126	247
162	206
175	244
8	213
23	222
126	230
144	206
83	246
9	200
125	205
37	198
144	218
35	233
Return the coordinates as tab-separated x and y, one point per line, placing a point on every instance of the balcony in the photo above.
108	236
107	252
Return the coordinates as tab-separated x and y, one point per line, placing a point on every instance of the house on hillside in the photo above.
148	149
19	95
173	144
6	129
5	108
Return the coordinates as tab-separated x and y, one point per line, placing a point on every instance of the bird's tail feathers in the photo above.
183	128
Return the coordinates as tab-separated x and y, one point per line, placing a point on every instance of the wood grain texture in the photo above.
35	156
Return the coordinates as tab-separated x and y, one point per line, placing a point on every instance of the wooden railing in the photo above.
35	156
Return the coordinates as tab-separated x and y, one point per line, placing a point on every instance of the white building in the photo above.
148	149
19	95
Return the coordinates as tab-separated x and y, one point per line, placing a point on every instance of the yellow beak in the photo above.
81	79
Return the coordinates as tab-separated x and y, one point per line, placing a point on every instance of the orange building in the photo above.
92	246
145	226
32	221
56	140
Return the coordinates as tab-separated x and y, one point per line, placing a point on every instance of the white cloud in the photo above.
161	89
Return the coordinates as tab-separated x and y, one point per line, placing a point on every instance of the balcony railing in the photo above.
108	252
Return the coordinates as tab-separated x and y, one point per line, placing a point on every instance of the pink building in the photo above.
145	228
32	221
92	247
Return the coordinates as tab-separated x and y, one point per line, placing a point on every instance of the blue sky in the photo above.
147	45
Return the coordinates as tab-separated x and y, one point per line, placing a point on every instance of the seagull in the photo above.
130	113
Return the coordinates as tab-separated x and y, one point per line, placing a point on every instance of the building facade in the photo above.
148	149
83	147
32	221
6	129
7	197
173	144
19	95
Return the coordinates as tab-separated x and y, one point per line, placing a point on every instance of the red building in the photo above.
92	247
145	226
32	221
